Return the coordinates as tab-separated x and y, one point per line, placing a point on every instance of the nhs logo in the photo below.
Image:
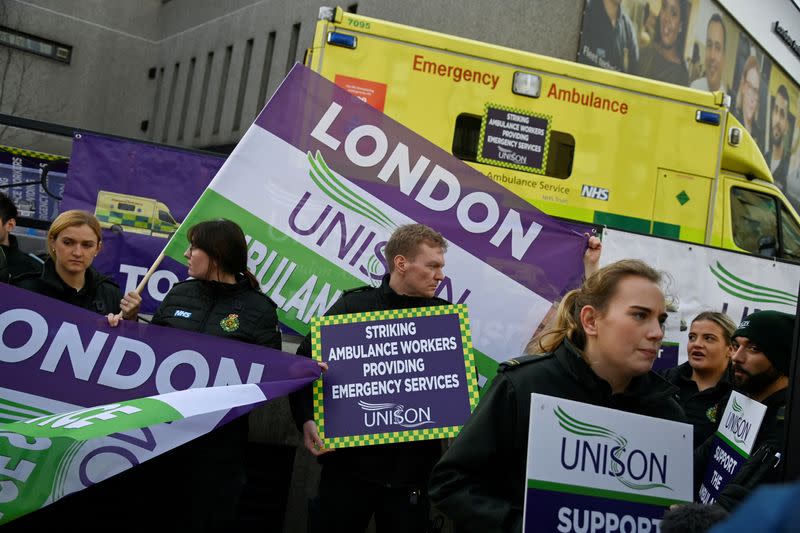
596	193
183	314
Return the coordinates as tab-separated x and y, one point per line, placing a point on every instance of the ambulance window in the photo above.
790	233
559	156
465	138
754	218
126	207
164	216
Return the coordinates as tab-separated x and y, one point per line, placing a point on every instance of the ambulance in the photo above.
135	214
578	142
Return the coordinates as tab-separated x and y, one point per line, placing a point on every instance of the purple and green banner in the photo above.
394	376
81	402
35	201
320	181
140	192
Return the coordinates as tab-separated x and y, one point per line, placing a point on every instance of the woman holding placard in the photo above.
705	381
600	352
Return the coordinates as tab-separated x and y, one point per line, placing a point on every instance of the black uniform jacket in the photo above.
208	306
17	261
480	481
389	465
703	408
99	293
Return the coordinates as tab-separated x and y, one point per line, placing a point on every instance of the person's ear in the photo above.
589	316
400	264
11	224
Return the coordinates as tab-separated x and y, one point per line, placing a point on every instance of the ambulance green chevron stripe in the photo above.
737	286
328	184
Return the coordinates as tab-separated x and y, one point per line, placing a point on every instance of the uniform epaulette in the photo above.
781	414
358	289
522	360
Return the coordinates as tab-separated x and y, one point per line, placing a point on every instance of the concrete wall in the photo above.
104	88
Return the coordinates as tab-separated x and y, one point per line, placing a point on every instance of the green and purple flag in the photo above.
81	402
320	181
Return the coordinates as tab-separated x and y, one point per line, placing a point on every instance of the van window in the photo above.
465	137
126	207
559	155
790	233
164	216
754	218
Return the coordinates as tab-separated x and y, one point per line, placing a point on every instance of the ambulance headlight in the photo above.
527	84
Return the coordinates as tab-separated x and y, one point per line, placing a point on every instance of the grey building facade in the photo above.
195	73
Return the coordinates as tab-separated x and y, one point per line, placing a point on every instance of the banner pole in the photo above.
791	441
150	272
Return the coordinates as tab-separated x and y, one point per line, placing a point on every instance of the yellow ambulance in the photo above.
576	141
135	214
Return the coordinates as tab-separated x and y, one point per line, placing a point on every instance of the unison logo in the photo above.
511	155
393	414
737	424
634	468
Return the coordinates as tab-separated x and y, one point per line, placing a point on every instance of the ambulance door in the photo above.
680	210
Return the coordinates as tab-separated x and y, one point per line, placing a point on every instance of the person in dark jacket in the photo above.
389	480
74	240
763	348
601	351
203	479
705	381
17	262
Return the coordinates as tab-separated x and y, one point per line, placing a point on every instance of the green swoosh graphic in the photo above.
762	287
333	188
736	286
736	407
345	190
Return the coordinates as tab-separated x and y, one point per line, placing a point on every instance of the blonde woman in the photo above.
74	240
705	381
600	351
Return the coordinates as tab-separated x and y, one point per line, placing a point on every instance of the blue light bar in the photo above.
342	39
707	117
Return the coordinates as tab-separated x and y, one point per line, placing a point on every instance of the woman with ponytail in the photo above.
203	479
600	351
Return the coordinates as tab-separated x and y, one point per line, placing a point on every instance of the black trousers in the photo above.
345	504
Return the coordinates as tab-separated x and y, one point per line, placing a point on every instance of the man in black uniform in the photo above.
763	344
16	261
385	480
